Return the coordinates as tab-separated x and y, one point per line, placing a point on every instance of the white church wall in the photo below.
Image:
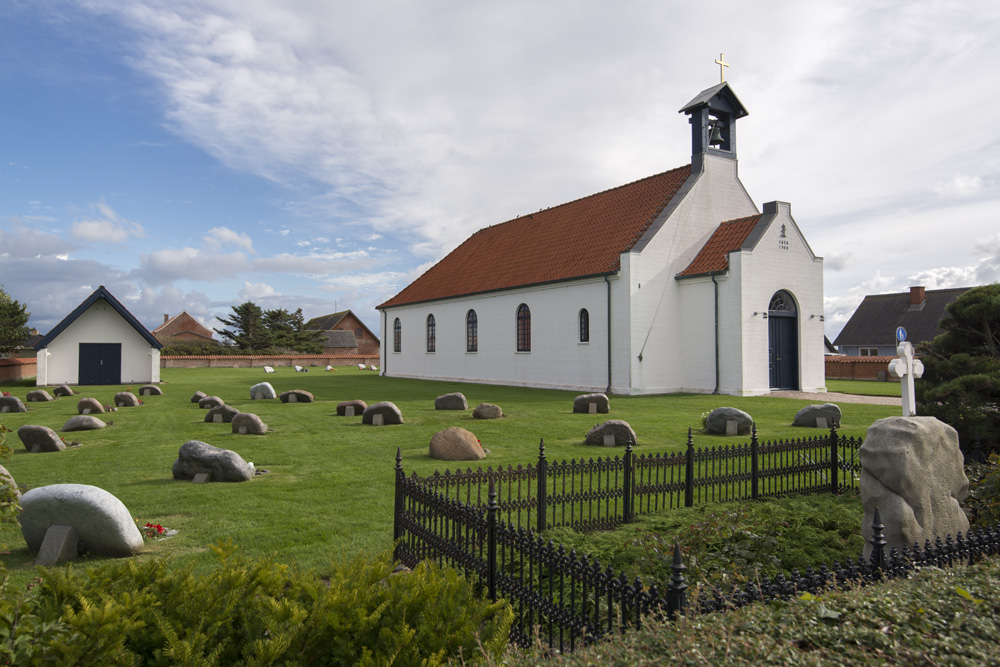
100	323
557	358
777	263
716	196
697	335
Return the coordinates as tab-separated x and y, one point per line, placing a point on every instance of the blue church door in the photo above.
100	363
783	344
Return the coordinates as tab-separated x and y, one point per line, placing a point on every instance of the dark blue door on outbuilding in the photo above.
100	363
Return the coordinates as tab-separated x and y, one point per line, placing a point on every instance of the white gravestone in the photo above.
378	420
592	408
906	368
349	411
268	369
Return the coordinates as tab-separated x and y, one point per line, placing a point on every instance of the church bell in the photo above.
716	138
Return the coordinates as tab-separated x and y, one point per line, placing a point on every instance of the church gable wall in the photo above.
656	303
557	358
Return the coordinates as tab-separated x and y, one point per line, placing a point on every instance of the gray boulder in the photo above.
39	396
197	396
89	406
487	411
210	402
104	525
808	415
359	407
456	444
246	423
390	413
620	430
453	401
8	479
296	396
222	465
11	404
62	390
126	399
40	439
911	469
225	414
262	391
720	417
582	403
150	390
83	423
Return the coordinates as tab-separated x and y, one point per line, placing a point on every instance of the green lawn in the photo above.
329	491
864	387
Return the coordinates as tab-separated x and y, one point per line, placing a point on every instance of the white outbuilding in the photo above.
673	283
99	343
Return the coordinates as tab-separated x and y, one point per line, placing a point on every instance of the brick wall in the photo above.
17	369
255	361
840	367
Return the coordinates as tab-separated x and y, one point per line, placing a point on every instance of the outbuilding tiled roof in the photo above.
727	237
876	318
581	238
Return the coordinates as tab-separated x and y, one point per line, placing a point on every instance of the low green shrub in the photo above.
248	612
982	505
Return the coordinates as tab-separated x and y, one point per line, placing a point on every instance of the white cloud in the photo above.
253	291
960	186
166	266
109	227
371	237
23	241
218	237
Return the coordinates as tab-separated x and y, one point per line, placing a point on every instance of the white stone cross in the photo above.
906	368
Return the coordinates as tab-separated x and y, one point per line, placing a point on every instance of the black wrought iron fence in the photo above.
601	493
570	599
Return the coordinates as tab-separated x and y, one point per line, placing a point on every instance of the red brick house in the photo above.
345	334
182	328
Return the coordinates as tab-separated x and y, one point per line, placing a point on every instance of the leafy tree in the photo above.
252	329
13	323
961	381
245	328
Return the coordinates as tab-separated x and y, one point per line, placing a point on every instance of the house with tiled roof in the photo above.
182	328
345	333
871	331
675	282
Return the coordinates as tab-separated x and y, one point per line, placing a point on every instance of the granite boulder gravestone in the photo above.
386	410
823	415
911	470
718	420
612	433
262	391
296	396
487	411
210	402
40	439
222	465
197	396
126	399
11	404
357	406
62	390
583	402
150	390
89	406
456	444
83	423
221	414
453	401
246	423
38	396
102	522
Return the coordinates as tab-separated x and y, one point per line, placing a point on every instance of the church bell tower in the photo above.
713	114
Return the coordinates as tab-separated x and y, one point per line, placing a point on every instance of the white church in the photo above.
673	283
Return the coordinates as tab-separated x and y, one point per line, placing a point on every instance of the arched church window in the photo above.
471	332
397	336
523	328
431	334
584	326
782	302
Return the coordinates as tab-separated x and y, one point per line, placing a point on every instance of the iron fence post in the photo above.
491	548
627	484
834	483
397	530
543	467
676	595
877	560
689	473
754	463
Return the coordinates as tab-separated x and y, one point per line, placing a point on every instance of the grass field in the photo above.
864	387
329	491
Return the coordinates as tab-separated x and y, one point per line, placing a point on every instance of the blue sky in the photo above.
197	154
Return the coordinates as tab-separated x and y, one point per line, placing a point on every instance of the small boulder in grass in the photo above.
126	399
582	403
210	402
718	420
296	396
221	414
359	407
38	396
487	411
809	415
198	395
262	391
150	390
619	433
390	413
89	406
36	438
453	401
11	404
83	423
62	390
222	465
247	423
456	444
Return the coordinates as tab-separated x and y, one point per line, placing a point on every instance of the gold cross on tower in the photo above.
721	62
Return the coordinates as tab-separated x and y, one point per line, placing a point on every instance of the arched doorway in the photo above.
783	343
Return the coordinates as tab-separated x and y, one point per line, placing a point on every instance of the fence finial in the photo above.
878	542
541	449
676	596
399	459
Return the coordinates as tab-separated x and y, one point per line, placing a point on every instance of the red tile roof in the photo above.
727	237
581	238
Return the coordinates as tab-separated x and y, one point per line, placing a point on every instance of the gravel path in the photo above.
834	397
